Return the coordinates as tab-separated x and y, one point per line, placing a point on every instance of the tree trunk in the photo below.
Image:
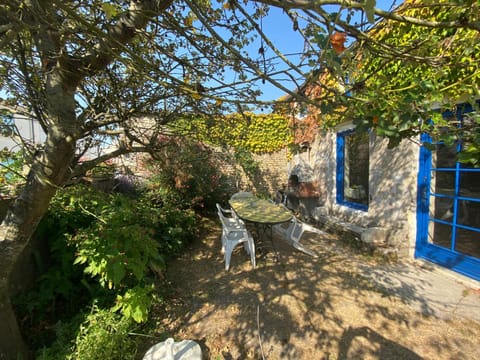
49	171
11	341
18	227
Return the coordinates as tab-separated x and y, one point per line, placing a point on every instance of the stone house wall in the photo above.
273	172
391	215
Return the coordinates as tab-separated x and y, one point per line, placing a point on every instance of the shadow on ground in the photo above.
301	307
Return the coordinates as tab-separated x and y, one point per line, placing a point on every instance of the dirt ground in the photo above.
300	307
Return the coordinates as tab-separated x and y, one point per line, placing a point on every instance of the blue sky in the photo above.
278	27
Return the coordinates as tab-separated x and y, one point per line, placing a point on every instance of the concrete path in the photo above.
429	288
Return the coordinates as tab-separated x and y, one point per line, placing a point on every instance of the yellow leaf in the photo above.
110	10
188	21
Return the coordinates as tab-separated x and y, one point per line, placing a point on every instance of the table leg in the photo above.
267	231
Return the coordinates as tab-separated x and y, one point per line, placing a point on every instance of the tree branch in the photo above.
137	17
353	4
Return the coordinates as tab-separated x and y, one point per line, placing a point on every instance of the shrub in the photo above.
102	334
118	248
185	174
106	249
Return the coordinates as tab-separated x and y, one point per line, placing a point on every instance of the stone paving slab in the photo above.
428	288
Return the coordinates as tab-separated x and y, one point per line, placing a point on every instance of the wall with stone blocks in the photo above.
392	190
273	171
272	174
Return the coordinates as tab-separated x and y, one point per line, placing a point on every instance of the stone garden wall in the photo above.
272	172
389	224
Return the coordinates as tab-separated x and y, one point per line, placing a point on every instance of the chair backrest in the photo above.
222	210
222	218
229	222
229	213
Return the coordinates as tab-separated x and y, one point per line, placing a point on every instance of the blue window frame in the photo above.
353	169
448	205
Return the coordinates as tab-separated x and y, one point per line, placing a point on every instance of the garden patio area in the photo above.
301	307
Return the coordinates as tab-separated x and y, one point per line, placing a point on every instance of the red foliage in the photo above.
338	42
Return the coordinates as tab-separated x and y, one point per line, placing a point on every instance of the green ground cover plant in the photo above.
106	252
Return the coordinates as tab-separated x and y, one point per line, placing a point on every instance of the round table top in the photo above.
260	211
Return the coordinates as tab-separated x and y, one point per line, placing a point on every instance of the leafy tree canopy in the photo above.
88	70
405	75
122	60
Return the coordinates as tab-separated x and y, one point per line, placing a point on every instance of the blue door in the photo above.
448	212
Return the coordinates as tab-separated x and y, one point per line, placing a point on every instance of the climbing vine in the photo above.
407	75
256	133
415	90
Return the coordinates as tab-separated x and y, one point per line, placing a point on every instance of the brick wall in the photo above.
273	171
271	176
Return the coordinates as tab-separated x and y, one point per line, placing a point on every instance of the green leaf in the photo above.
135	303
429	146
370	10
117	272
110	10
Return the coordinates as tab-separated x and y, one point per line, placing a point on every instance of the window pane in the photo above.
469	213
441	208
356	168
441	235
468	242
445	156
444	182
470	182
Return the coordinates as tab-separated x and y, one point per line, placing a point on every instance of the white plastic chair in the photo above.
231	214
293	231
234	232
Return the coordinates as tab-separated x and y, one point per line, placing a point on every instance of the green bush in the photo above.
127	244
187	176
118	248
63	288
102	334
105	249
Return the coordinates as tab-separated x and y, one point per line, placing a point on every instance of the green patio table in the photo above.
263	214
260	211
